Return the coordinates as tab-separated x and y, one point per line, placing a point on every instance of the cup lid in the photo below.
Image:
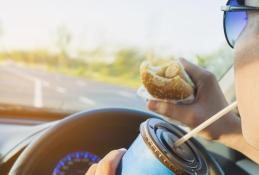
160	137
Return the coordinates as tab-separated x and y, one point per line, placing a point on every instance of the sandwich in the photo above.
167	82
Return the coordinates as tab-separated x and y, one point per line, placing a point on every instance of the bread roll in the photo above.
166	82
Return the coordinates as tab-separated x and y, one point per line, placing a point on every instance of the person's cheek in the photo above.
247	83
247	91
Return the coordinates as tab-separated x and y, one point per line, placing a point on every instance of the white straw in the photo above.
206	124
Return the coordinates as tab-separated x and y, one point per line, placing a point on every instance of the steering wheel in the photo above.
124	124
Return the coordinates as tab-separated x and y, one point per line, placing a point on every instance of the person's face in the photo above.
247	75
250	34
247	46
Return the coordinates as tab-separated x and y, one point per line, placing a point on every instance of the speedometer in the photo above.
76	163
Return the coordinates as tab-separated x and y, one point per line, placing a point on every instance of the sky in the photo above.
182	27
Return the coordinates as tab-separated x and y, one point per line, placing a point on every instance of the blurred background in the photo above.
73	55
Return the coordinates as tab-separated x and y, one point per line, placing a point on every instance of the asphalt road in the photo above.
38	88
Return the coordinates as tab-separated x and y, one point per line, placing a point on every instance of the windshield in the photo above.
73	55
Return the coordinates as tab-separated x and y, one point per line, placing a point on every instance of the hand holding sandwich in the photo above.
209	99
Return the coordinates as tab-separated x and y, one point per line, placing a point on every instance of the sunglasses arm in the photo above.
229	8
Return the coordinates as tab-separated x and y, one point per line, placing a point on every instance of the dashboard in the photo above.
76	163
75	153
70	159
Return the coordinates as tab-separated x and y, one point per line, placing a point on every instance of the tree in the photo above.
127	62
64	39
1	33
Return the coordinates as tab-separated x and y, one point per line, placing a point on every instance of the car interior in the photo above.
68	138
32	140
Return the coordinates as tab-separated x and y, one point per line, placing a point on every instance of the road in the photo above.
39	88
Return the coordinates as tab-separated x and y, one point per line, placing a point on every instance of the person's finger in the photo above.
92	170
163	108
108	165
192	70
173	111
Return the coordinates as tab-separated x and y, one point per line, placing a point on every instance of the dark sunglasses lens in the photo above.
234	22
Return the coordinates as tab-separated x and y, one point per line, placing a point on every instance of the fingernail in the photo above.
162	108
152	105
123	149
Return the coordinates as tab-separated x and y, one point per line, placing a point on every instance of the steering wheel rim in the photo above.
29	160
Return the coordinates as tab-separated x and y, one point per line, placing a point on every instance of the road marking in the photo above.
80	83
125	94
86	100
45	83
61	90
37	100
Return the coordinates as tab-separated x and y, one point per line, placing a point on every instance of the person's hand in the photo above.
209	99
108	165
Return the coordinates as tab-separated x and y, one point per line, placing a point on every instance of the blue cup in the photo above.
153	152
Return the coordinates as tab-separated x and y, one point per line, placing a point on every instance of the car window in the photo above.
72	55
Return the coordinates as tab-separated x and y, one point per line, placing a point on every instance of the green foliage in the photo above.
217	62
127	59
63	40
122	70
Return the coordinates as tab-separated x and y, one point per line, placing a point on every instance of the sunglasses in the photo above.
235	19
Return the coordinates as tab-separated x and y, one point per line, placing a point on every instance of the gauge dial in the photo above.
76	163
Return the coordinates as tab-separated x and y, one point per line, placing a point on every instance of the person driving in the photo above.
241	26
